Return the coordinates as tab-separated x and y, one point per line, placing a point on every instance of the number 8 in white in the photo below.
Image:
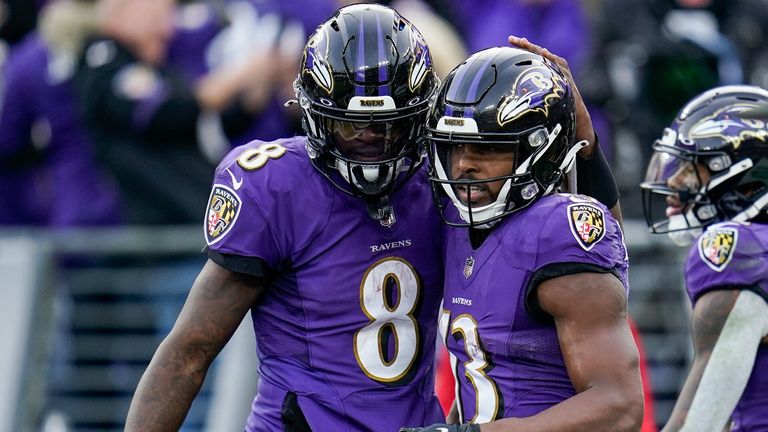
253	159
388	278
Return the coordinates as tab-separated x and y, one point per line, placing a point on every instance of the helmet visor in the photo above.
673	186
670	167
371	142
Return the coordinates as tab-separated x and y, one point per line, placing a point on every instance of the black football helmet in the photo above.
364	88
502	97
710	165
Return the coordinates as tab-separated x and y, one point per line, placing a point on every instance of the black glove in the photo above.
443	427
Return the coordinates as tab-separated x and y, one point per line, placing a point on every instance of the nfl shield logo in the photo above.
387	216
716	247
468	266
223	209
587	224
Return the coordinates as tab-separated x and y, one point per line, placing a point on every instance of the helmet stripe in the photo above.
472	92
382	57
360	66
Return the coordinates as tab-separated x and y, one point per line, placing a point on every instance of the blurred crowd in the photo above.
117	111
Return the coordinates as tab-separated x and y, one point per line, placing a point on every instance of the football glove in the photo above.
443	427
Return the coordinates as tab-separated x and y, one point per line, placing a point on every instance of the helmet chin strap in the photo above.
360	174
475	216
681	232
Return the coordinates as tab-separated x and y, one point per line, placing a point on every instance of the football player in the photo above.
331	242
707	184
535	309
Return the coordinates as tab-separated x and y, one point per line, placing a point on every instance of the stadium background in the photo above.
83	307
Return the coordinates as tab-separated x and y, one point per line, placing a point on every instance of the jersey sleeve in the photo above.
577	235
266	205
238	230
727	256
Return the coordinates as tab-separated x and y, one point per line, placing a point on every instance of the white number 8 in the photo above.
253	159
371	341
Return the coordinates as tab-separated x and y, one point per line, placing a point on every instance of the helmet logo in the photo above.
421	63
716	247
531	93
387	217
727	125
587	224
315	64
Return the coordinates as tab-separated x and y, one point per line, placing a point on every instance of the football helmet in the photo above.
710	165
364	88
502	98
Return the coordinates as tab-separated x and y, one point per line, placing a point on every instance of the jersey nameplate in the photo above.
716	247
223	208
587	224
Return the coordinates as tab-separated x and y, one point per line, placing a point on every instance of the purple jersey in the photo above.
505	349
349	319
727	256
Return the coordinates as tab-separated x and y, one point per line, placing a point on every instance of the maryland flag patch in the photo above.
716	247
587	224
223	209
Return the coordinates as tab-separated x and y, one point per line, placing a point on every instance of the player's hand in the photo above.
584	130
443	427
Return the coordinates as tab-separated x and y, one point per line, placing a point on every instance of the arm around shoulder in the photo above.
216	305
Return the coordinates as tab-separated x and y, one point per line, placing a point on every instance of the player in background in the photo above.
535	296
707	184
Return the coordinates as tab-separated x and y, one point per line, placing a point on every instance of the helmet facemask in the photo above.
675	199
510	104
526	180
364	90
697	189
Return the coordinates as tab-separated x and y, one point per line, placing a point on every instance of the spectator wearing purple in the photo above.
49	176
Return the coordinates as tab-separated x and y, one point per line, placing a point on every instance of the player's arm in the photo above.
589	311
728	327
216	305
